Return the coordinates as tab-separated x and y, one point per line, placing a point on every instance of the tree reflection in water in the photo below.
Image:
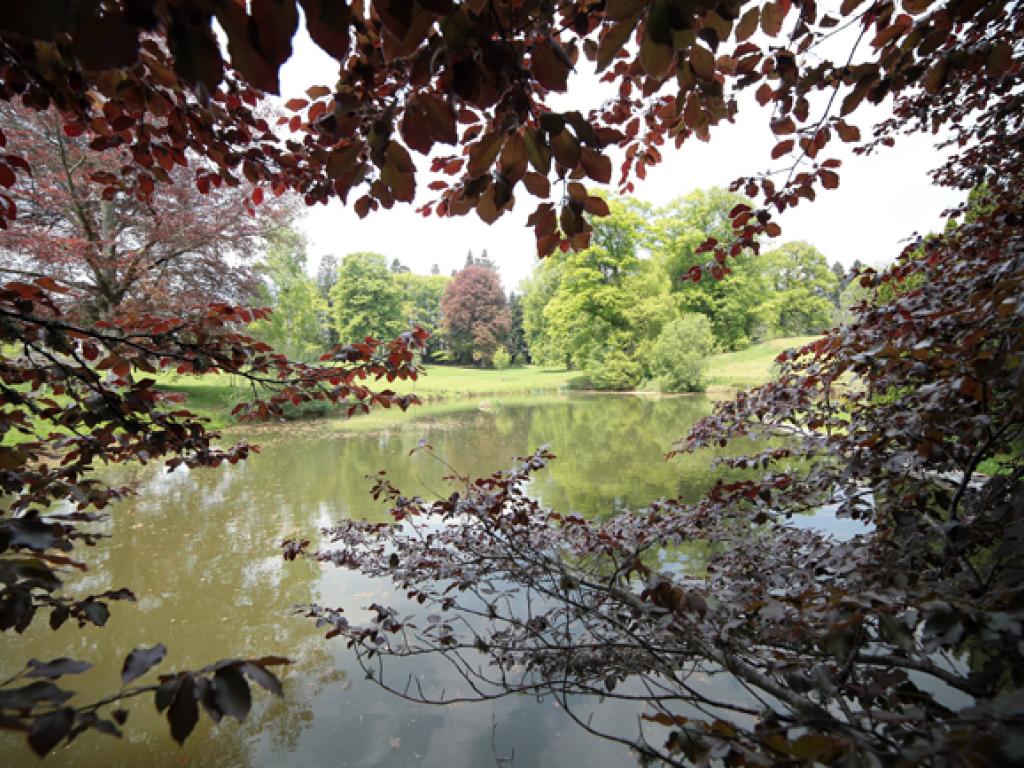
201	550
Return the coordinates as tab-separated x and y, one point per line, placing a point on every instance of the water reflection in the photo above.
200	550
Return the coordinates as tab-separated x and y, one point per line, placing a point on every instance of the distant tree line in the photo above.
625	311
470	319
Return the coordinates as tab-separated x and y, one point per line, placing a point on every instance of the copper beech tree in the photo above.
846	658
81	223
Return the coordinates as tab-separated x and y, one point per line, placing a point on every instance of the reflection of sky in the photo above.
825	521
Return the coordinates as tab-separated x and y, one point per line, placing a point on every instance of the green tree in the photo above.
537	291
840	272
366	300
294	327
421	305
501	359
517	346
677	231
680	354
609	304
799	290
326	277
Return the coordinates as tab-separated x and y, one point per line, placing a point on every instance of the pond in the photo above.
200	550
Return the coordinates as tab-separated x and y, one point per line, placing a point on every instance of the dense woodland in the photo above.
899	646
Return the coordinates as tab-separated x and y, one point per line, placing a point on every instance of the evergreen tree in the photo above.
517	345
326	277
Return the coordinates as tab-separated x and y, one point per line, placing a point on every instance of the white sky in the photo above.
881	200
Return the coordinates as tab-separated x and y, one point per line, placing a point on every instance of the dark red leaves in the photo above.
848	133
398	172
783	126
617	10
703	62
612	41
7	177
483	153
597	166
549	67
141	660
829	179
656	58
440	117
782	148
513	158
537	185
748	24
596	206
416	129
108	43
772	16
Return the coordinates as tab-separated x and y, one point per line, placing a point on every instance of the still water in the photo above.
200	550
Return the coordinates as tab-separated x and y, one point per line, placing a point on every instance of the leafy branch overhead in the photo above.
478	77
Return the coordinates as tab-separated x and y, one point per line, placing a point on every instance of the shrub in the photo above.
612	369
680	354
502	359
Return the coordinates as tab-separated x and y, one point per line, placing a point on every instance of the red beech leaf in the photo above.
782	148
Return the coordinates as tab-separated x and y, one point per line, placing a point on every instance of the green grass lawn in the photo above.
445	382
754	365
214	395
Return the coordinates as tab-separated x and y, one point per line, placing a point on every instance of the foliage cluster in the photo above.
83	396
609	310
467	316
80	223
475	315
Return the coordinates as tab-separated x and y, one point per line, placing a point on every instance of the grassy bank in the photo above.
754	365
213	396
444	382
443	387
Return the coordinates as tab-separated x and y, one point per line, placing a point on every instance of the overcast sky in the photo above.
881	200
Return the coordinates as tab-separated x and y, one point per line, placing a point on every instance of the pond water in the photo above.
200	550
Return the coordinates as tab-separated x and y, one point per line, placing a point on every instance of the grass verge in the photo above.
752	366
212	396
